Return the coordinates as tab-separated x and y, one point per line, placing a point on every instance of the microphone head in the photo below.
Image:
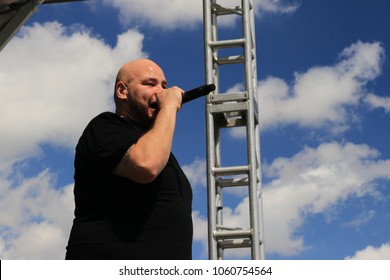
210	87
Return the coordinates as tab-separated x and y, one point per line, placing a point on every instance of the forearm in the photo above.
149	155
152	150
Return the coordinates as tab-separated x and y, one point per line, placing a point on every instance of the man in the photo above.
132	199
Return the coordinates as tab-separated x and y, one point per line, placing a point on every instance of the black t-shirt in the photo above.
116	218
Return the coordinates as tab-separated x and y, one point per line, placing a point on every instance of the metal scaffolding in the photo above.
231	110
14	13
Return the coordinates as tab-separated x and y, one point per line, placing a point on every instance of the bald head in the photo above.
136	86
133	68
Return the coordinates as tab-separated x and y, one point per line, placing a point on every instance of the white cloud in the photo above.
160	13
362	219
276	6
53	79
39	241
378	102
322	95
184	14
196	172
35	218
373	253
313	181
200	225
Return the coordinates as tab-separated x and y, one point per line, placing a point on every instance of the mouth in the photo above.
153	105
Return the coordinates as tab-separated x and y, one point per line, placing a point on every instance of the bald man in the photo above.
132	199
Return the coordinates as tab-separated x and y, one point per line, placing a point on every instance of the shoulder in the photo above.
105	117
110	126
104	121
100	126
109	118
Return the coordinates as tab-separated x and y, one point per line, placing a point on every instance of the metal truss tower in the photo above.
14	13
231	110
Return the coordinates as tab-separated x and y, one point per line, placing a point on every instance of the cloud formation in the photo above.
375	101
196	172
373	253
172	14
312	182
35	217
324	95
53	79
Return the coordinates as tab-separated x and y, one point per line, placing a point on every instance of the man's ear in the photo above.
121	91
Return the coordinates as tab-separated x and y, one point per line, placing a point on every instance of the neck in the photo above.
126	115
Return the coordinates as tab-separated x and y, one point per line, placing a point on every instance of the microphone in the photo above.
192	94
197	92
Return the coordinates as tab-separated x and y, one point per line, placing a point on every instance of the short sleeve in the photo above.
105	141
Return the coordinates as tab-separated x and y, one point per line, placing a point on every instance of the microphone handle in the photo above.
193	94
197	92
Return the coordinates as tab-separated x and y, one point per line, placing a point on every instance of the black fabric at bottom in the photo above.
126	251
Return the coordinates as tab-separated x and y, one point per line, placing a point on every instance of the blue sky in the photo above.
324	89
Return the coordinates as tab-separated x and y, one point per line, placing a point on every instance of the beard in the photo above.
142	114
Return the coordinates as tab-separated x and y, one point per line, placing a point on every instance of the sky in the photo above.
324	90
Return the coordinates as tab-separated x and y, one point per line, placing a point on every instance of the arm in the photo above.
145	159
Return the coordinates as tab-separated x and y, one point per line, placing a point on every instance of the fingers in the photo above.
171	96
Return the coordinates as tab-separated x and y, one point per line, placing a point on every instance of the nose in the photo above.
159	89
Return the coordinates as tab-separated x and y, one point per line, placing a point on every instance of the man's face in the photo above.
146	81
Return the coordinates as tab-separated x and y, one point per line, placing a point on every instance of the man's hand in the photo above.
170	97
